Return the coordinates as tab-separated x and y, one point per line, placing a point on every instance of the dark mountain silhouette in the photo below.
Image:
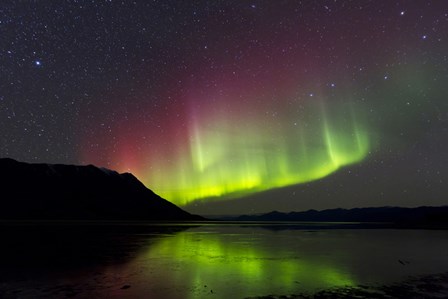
68	192
426	216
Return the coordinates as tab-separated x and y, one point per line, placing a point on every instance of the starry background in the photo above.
230	107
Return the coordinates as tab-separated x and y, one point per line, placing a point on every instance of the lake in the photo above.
208	260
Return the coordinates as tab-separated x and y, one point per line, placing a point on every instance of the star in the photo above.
177	91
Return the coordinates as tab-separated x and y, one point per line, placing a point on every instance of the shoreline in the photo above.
418	287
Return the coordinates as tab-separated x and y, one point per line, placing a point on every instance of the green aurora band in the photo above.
235	153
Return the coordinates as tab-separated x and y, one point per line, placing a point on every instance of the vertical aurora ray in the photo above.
231	153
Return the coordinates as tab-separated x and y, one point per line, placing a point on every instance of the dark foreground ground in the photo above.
423	287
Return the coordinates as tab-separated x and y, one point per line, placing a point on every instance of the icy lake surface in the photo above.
209	260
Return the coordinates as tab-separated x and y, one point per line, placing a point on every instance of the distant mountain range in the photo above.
68	192
430	216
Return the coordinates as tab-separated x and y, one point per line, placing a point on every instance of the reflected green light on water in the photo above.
214	260
227	265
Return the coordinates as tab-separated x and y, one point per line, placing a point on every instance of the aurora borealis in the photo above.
235	106
223	158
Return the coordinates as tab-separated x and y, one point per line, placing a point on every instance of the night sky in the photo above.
231	107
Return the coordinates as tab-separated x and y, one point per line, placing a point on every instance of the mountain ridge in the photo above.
32	191
424	215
